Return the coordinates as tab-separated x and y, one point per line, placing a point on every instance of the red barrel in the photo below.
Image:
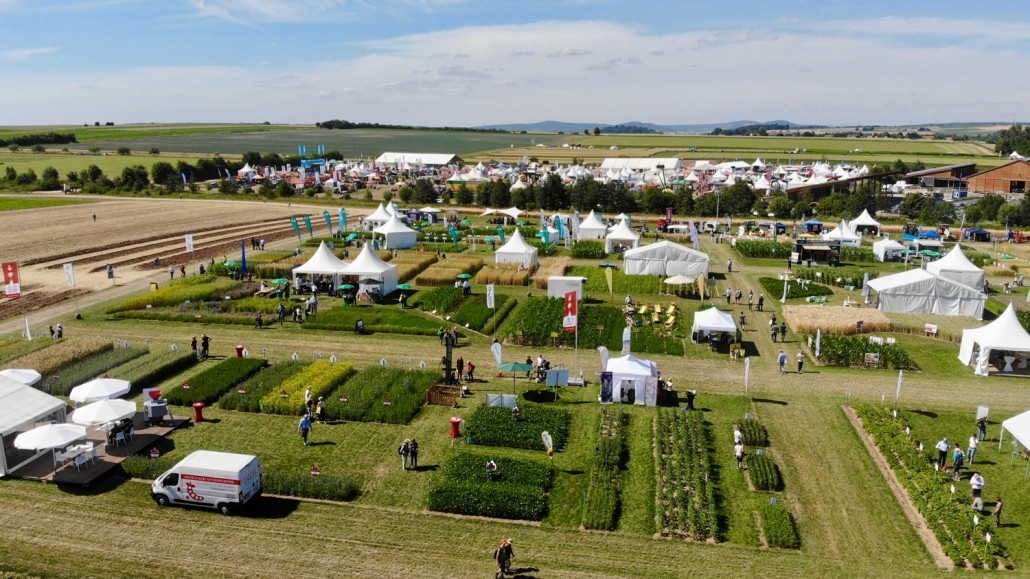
239	350
198	412
455	427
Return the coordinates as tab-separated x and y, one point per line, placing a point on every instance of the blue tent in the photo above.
929	234
813	225
977	234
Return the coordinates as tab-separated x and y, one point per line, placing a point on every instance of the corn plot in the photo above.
684	492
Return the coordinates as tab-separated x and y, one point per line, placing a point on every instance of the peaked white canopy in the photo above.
397	234
368	265
378	218
918	291
323	262
621	233
865	221
517	250
1004	333
844	234
630	372
712	320
665	258
957	267
591	228
24	375
1019	427
887	249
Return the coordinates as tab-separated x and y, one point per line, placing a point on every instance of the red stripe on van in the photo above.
211	479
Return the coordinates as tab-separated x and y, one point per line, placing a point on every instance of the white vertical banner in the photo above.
627	337
603	350
747	375
818	342
189	243
28	332
490	300
897	393
69	274
786	288
496	349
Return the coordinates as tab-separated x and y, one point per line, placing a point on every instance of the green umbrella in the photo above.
405	286
347	286
280	280
232	263
515	368
466	221
464	275
1006	256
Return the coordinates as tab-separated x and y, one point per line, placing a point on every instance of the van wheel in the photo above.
162	501
225	509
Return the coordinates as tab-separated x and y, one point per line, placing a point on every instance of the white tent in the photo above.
378	218
620	234
1019	427
368	265
632	373
665	258
1004	333
591	228
957	267
398	235
918	291
711	320
22	408
24	375
247	172
845	235
323	262
517	250
865	222
887	249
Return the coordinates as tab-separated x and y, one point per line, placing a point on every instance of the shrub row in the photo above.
65	352
494	426
517	490
602	499
257	386
209	384
752	248
774	289
684	491
588	250
948	515
150	370
504	307
755	434
622	283
91	367
170	316
835	276
764	473
778	527
474	314
835	350
367	391
321	376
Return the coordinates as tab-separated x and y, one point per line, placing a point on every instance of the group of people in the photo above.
781	359
256	243
205	344
946	450
734	297
409	454
778	330
58	333
465	286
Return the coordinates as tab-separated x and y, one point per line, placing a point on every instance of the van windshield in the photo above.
172	480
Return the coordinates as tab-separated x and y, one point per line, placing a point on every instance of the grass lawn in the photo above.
15	203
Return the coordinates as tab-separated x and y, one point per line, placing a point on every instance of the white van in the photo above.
219	480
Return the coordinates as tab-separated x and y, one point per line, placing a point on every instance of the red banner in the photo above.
12	279
569	322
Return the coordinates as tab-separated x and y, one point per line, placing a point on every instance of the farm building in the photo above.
1008	178
399	160
951	176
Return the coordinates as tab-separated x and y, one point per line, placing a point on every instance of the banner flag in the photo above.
490	298
343	219
668	214
606	387
243	256
500	233
548	442
69	274
189	242
183	178
818	341
897	393
609	277
328	221
627	336
569	321
496	349
296	228
603	351
228	175
307	223
12	281
747	375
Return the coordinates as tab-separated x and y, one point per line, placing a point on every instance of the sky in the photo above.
479	62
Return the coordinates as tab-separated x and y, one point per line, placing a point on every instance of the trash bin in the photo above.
198	412
239	350
455	427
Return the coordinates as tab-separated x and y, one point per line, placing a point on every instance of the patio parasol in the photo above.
232	264
608	264
464	276
678	280
99	389
50	437
514	368
405	286
347	286
104	411
279	280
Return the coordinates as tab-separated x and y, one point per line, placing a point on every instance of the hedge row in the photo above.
588	250
835	350
601	503
751	248
442	300
517	490
835	276
774	288
494	426
684	489
377	319
504	307
208	385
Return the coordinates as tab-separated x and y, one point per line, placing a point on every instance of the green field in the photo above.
14	204
85	134
111	164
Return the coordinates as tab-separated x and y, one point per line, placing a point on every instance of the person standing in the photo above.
957	456
729	266
52	332
503	556
997	511
738	453
404	451
801	361
738	435
773	332
737	295
459	367
205	344
281	313
305	428
60	331
743	321
981	427
193	345
413	453
690	399
971	449
783	331
182	271
320	409
942	452
171	272
977	483
761	301
259	321
782	359
470	371
729	295
750	299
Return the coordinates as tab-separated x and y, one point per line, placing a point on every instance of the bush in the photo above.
208	385
774	287
588	250
494	426
91	367
442	299
755	434
764	473
778	526
601	503
848	253
321	376
835	350
260	384
516	491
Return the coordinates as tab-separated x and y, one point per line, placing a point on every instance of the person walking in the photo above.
729	266
404	451
691	394
729	295
182	271
260	322
470	371
738	435
750	299
171	272
193	345
503	556
981	428
304	427
761	301
743	321
281	313
60	331
971	449
52	332
774	331
737	295
783	331
997	511
801	361
738	453
413	453
942	452
782	359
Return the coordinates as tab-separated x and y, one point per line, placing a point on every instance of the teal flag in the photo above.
454	235
296	228
343	219
500	233
328	221
307	223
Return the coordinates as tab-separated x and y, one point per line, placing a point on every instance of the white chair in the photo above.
131	434
93	457
119	438
80	461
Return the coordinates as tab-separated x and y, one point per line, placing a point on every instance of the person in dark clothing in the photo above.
205	343
413	454
783	331
503	555
690	399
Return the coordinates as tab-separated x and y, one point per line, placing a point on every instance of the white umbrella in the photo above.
99	389
49	436
678	280
23	375
104	411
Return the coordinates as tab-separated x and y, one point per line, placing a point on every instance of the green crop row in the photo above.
755	434
752	248
849	254
774	287
90	367
150	370
377	319
504	307
778	527
948	515
13	348
622	283
684	490
442	300
645	340
196	288
588	250
516	490
208	385
495	426
764	473
258	385
835	276
541	317
836	350
170	316
321	376
65	352
368	390
602	499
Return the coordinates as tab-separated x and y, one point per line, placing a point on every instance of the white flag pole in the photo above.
897	393
28	332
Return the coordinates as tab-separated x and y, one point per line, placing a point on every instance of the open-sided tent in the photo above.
887	249
711	320
591	228
1019	427
976	234
632	373
1004	333
517	250
621	235
323	262
918	291
367	265
813	225
957	267
865	223
665	258
398	235
23	408
844	234
378	218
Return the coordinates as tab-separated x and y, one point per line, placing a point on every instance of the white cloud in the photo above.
255	11
22	54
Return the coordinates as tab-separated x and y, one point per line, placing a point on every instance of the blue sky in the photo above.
474	62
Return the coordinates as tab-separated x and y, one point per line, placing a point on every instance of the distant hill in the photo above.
565	127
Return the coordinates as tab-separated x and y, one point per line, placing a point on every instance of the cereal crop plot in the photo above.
684	493
835	319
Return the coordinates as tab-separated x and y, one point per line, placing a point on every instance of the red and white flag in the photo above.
12	279
569	322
